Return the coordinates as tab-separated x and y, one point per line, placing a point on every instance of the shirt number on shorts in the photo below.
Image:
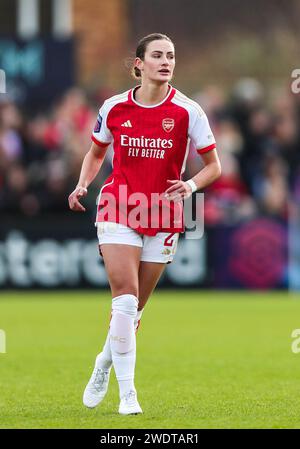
167	241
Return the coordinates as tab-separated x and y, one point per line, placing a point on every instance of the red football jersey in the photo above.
150	146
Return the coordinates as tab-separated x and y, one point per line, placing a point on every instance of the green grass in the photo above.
204	360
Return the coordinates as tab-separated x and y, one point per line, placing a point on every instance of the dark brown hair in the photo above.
142	46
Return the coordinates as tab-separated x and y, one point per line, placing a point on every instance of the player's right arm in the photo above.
91	165
93	160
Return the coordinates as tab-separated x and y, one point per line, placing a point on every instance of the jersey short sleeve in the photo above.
200	132
101	134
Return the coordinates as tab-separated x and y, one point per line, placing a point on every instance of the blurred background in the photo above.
63	58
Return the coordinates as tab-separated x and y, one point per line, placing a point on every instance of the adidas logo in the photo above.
127	124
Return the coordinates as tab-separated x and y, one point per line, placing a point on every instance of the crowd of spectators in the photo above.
258	141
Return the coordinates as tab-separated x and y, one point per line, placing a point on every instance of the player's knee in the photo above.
126	304
123	288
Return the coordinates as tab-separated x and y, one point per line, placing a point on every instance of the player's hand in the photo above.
178	190
74	198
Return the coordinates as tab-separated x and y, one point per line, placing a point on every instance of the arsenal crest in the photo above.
168	124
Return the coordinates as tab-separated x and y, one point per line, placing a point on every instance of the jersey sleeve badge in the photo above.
98	124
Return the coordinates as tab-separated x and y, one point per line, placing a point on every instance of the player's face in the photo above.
159	61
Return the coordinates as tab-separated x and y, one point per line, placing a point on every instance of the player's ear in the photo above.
138	63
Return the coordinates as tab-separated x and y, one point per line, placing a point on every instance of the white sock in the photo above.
138	319
125	386
104	359
124	368
122	340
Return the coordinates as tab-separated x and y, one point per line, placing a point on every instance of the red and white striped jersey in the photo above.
150	146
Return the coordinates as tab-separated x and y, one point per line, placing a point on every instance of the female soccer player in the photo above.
139	215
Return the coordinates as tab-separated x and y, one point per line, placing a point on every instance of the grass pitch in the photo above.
204	360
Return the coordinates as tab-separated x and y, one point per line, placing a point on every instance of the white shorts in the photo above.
160	248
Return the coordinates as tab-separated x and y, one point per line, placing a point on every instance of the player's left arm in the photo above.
207	175
210	172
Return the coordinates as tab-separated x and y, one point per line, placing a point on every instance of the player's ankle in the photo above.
103	362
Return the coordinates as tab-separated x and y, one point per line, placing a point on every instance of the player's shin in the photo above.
104	359
122	340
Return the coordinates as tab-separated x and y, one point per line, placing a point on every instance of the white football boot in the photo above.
97	387
129	404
